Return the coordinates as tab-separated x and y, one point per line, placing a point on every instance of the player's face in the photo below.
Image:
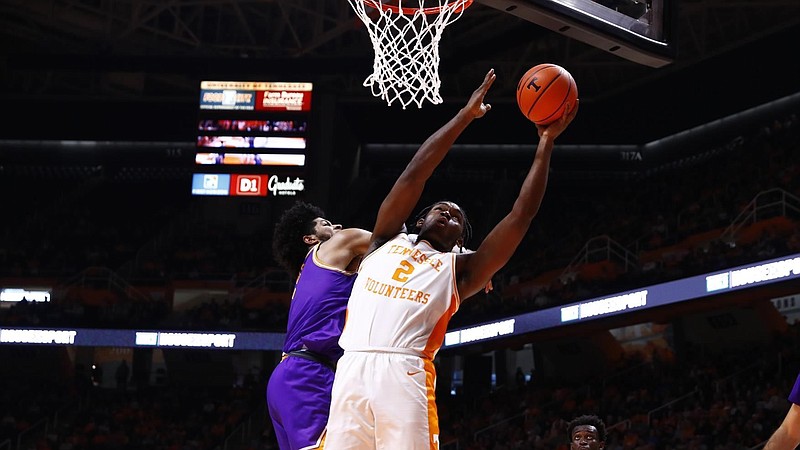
586	437
324	229
442	226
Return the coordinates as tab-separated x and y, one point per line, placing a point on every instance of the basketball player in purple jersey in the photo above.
323	259
787	436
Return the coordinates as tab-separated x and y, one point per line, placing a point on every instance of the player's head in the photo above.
587	432
300	227
444	224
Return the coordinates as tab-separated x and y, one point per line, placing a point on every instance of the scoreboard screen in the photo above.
255	96
244	159
249	185
252	138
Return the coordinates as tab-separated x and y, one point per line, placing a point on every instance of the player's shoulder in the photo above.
349	233
349	237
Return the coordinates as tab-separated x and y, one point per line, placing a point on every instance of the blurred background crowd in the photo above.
118	244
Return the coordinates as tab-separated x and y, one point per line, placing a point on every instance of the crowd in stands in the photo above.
64	226
666	210
682	397
657	218
725	401
81	416
696	399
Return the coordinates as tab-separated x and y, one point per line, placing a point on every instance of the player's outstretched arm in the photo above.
344	247
476	269
787	436
405	193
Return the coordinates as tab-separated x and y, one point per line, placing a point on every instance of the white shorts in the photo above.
383	401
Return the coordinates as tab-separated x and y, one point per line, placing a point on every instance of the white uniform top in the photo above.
402	300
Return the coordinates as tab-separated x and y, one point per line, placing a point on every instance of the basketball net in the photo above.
406	43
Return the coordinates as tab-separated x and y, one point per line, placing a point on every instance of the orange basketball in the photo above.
544	92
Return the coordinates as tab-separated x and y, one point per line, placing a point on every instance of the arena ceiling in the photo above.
733	54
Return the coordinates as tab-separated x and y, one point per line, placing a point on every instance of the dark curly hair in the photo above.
288	247
588	420
466	233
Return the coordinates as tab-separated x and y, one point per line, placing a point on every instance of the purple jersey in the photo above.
794	396
299	390
316	314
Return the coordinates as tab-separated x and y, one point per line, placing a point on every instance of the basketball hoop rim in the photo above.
411	11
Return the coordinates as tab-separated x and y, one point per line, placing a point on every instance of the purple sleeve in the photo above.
794	396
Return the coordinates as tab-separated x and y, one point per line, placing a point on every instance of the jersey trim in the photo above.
322	265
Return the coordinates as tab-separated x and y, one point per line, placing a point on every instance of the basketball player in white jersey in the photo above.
407	290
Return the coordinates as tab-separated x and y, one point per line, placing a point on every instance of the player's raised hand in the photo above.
554	129
475	106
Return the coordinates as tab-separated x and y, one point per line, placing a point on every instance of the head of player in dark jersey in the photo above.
300	227
444	224
587	433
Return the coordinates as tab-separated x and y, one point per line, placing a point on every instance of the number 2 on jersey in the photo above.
402	272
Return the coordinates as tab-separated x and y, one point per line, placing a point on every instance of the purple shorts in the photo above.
299	399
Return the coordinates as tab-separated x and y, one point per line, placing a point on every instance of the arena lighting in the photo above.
19	294
691	288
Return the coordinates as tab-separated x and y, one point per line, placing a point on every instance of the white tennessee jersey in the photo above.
402	300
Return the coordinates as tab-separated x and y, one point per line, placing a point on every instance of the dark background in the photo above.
79	70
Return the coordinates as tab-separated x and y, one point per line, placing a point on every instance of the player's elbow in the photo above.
527	207
793	433
521	218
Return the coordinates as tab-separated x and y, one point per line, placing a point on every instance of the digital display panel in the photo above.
229	99
93	337
257	159
255	96
296	143
223	184
249	185
252	138
251	126
14	295
691	288
211	184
